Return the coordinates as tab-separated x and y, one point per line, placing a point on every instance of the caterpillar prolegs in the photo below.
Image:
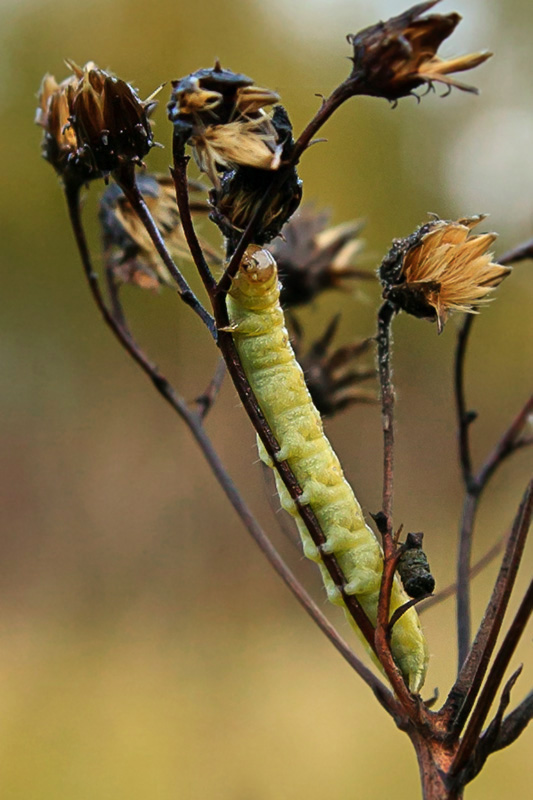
258	328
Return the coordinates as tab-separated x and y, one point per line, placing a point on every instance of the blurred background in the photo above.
148	651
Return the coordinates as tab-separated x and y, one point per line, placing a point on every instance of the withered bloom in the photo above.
241	190
221	114
109	119
393	58
129	252
312	258
333	376
441	268
60	143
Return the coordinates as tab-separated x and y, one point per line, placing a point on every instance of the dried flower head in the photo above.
221	114
312	257
60	143
441	268
393	58
241	190
333	376
129	252
109	119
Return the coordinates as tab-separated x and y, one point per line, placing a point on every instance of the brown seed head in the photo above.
129	252
109	119
241	190
393	58
221	114
333	376
441	268
312	258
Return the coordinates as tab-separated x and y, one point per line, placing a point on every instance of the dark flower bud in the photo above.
312	258
129	252
393	58
109	119
241	190
441	268
333	376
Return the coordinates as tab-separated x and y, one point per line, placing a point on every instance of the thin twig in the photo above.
451	589
126	180
494	679
113	292
520	253
204	402
474	483
508	443
179	175
466	688
514	723
385	317
194	423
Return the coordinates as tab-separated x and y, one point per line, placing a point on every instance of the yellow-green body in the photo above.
277	380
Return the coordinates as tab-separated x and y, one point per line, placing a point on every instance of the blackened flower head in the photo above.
221	114
242	190
129	253
333	376
312	257
441	268
393	58
109	119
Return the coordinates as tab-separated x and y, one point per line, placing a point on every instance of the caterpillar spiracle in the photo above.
258	328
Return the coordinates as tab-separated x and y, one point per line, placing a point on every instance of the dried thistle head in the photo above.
109	119
241	190
221	114
441	268
60	143
312	258
393	58
129	252
333	375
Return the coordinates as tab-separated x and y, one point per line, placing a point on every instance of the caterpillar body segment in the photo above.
258	328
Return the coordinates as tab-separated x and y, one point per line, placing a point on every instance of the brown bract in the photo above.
333	376
441	268
312	258
393	58
93	123
109	119
221	114
60	143
129	252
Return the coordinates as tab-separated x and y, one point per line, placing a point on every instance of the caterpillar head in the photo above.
257	277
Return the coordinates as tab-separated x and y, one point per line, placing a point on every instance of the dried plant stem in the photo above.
385	316
126	180
205	401
466	688
494	679
475	483
193	420
451	589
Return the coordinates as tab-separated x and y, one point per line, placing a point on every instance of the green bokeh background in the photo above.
148	651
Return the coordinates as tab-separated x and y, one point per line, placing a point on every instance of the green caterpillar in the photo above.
258	328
